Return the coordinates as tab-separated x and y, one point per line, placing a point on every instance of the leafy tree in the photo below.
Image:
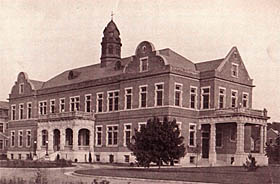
157	142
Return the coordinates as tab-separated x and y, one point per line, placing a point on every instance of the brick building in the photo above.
95	109
4	108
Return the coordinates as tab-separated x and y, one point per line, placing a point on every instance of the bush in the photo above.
251	163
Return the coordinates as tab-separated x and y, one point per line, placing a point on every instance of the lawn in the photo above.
226	175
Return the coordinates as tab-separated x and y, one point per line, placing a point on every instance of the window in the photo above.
110	49
52	106
21	111
21	88
245	100
144	64
178	94
97	158
233	98
112	135
141	125
193	97
1	144
74	104
62	105
12	156
44	137
192	134
143	96
12	138
159	94
19	156
20	138
205	97
13	112
128	98
233	130
98	135
29	110
42	107
118	50
113	101
219	138
222	98
127	134
126	158
99	102
192	159
87	103
234	70
28	138
2	127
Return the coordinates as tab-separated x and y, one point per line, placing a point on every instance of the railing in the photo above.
252	112
66	115
83	147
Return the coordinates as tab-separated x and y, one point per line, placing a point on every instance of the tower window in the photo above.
118	51
110	49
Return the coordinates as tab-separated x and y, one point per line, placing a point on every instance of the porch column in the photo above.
39	139
62	139
265	134
261	139
212	148
240	138
75	138
91	140
50	140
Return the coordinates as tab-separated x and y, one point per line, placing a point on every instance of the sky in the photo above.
45	38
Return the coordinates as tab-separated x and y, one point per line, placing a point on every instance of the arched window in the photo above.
83	138
69	137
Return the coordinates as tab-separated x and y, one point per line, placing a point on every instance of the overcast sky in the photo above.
44	38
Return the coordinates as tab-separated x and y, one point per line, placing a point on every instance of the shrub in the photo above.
251	163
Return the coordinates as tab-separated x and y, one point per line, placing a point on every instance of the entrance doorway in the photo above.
56	140
205	144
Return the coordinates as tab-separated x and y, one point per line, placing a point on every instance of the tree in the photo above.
157	142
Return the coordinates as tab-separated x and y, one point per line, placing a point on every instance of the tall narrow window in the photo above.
113	101
127	134
44	137
20	138
1	127
110	49
219	138
233	98
62	105
12	138
128	98
88	103
29	110
222	97
159	91
75	103
28	138
245	100
13	112
112	135
43	108
193	97
21	88
143	64
20	111
52	106
178	94
99	102
205	98
1	144
234	70
192	134
98	135
143	96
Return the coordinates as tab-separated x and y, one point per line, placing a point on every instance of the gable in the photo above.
233	69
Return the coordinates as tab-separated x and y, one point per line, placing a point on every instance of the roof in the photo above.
4	105
36	84
208	65
275	131
176	59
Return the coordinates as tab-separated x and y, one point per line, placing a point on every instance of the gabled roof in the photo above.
4	105
36	84
208	65
275	131
176	59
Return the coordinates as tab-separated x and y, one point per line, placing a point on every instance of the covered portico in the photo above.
232	130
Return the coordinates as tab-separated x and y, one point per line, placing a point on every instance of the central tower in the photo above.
111	44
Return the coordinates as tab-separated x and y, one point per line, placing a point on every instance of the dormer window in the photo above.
234	70
144	64
21	88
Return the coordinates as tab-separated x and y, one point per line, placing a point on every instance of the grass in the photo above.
226	175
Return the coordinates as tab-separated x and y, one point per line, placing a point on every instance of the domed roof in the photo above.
111	29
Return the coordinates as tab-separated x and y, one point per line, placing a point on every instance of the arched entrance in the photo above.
69	137
83	138
56	140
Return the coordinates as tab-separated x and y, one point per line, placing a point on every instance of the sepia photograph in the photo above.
139	92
